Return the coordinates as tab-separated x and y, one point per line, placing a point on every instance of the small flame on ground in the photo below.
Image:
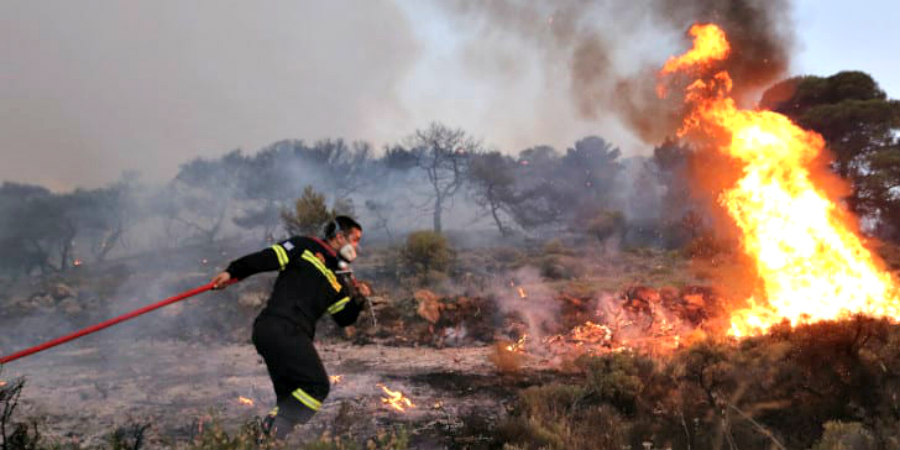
518	346
245	401
395	399
522	293
77	262
335	379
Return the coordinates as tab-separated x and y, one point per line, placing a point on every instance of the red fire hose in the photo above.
108	323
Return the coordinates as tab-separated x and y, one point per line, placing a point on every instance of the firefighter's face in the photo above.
351	237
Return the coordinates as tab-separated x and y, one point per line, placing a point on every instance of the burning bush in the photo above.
827	384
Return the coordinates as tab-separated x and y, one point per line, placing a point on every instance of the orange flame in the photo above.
245	401
518	346
522	293
812	264
710	45
395	399
335	379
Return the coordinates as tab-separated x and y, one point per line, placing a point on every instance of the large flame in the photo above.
812	264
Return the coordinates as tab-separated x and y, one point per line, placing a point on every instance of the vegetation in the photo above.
828	385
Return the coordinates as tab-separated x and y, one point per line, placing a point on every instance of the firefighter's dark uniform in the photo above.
306	288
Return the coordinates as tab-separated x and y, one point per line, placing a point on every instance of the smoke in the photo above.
100	88
524	293
607	53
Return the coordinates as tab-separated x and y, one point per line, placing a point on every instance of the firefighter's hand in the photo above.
363	288
221	280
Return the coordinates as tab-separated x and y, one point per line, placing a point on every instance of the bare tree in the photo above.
443	154
492	181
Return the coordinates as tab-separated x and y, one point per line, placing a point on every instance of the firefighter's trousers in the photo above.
297	373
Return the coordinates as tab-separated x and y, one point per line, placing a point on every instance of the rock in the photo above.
252	299
70	306
429	305
60	291
42	300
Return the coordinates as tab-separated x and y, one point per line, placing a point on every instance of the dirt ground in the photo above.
83	391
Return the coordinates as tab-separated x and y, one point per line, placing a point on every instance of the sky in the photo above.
92	89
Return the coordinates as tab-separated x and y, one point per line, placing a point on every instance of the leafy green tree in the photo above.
310	214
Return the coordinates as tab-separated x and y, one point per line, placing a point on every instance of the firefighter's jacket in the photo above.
306	287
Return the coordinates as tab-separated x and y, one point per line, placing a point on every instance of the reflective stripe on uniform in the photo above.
338	306
307	255
306	399
282	256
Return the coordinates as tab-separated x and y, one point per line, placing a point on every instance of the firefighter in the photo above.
306	289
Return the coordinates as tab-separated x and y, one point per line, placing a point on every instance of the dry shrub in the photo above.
16	435
210	434
557	416
846	436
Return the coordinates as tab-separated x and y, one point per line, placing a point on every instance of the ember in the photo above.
811	263
77	262
335	379
245	401
518	346
396	399
591	333
522	293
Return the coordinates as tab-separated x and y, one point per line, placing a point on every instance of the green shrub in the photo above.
309	215
427	254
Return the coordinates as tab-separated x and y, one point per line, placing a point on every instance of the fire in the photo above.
591	333
396	399
245	401
77	262
812	264
522	293
335	379
518	346
710	45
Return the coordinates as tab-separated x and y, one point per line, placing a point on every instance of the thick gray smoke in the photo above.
608	52
93	89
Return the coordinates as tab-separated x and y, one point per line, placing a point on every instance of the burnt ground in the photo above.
83	392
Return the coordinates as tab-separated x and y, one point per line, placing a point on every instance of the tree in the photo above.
310	214
36	227
539	196
382	211
492	179
102	216
589	170
443	154
201	193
